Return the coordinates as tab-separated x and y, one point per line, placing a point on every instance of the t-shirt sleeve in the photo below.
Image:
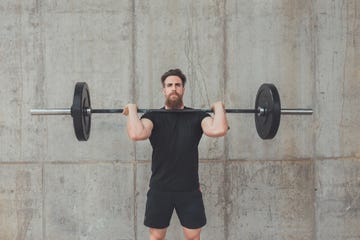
147	115
203	115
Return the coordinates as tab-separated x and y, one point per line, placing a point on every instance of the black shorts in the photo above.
189	207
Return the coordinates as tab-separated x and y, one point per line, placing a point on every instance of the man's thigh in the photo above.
190	209
159	209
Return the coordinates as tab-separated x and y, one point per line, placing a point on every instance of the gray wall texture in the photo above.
304	184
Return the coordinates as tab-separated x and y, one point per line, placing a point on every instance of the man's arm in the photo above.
137	129
215	126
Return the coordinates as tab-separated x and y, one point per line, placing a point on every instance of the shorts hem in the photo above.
194	227
156	227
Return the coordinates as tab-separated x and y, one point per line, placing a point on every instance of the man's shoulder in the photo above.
151	114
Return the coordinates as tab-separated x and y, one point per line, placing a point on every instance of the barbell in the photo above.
267	111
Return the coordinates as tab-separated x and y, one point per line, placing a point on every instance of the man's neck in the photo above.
169	108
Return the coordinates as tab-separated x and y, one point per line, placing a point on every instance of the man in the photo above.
174	137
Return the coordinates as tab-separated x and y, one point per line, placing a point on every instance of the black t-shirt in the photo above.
174	139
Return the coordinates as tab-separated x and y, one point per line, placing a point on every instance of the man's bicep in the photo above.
206	125
148	126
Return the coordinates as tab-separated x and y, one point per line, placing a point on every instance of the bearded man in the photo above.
174	136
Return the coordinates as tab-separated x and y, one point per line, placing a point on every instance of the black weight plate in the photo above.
81	119
268	123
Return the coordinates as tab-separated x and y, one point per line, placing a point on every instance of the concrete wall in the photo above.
304	184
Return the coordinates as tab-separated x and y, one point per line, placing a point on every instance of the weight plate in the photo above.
267	123
81	119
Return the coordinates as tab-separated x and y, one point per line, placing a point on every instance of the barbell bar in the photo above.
267	111
67	111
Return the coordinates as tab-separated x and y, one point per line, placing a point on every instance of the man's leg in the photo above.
191	212
158	211
157	234
191	234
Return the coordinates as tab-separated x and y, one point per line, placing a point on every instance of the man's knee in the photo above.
157	234
192	234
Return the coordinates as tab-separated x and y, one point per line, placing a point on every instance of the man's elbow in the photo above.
136	137
220	132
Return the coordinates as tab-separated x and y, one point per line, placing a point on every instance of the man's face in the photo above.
173	91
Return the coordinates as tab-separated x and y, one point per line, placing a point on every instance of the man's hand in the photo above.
218	106
131	107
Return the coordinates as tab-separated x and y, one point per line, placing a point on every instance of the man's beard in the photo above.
174	103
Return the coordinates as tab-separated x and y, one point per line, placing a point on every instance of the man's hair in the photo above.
174	72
